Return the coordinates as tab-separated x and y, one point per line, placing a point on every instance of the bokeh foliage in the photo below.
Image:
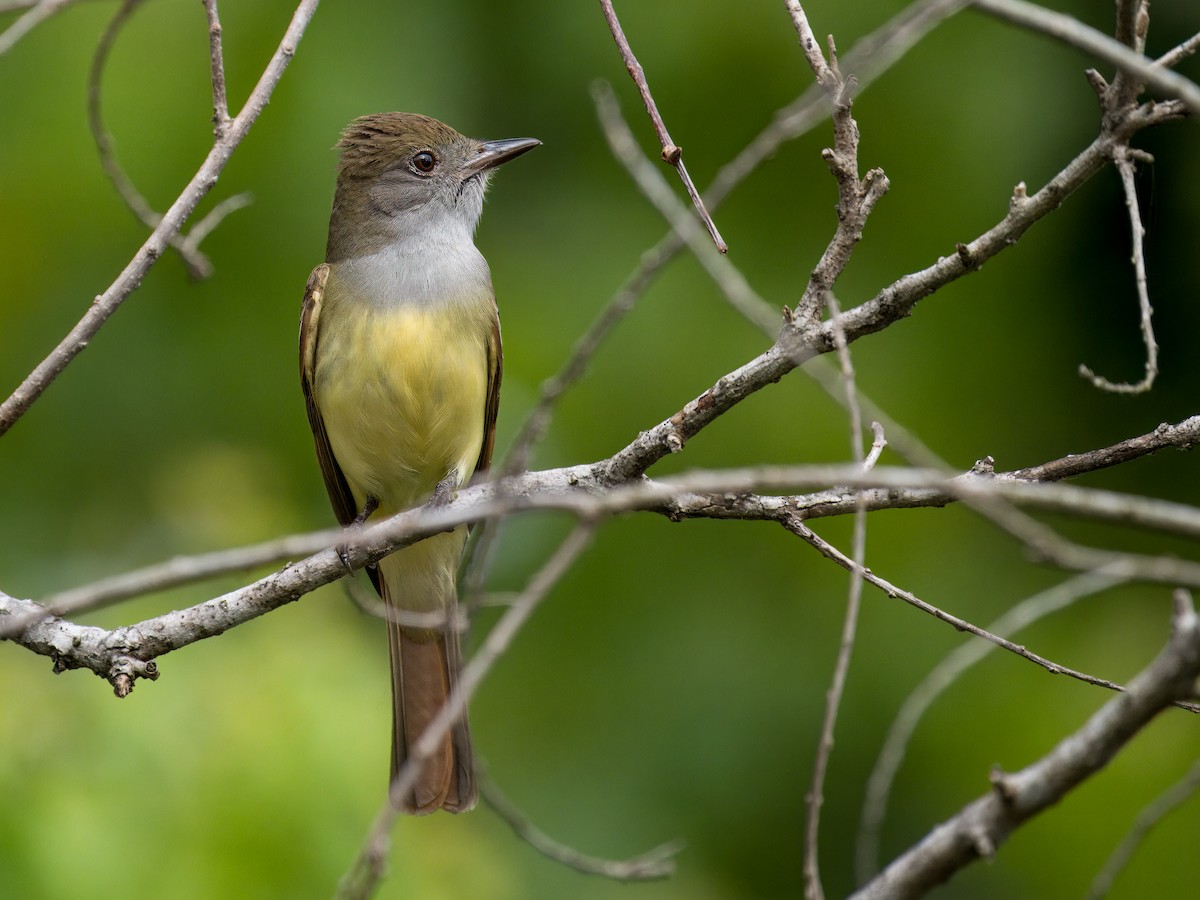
672	685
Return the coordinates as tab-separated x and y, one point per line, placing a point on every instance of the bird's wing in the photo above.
335	482
491	406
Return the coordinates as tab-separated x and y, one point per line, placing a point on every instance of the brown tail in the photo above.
424	669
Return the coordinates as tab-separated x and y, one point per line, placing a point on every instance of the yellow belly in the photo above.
402	394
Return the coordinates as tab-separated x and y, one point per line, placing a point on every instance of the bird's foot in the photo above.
365	513
444	492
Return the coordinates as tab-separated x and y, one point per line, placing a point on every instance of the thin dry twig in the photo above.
198	265
363	877
1163	805
672	153
946	673
1113	568
1132	23
1123	159
856	197
217	65
1179	53
649	866
727	276
103	139
99	311
38	12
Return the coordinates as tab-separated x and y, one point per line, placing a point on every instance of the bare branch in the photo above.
733	284
1116	568
1123	159
1178	54
898	299
104	305
131	649
856	197
671	152
1133	20
982	826
198	265
217	61
39	12
1071	31
868	59
687	501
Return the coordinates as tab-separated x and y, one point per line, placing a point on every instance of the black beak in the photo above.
493	153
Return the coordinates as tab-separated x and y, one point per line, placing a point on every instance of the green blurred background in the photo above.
672	685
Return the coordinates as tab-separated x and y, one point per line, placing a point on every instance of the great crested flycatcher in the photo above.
400	365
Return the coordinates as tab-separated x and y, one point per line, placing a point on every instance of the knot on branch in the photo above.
985	466
125	670
1004	787
983	843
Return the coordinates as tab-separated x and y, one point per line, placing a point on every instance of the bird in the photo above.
400	365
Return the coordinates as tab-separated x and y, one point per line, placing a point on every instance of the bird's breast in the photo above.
402	391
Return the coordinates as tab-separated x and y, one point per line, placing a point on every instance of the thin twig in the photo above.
38	13
856	197
946	673
1123	159
217	65
727	276
103	139
869	58
652	865
188	246
1115	569
1163	805
1133	20
99	311
671	152
1179	53
214	217
365	873
878	444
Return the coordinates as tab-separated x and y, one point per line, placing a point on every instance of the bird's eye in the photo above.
424	162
